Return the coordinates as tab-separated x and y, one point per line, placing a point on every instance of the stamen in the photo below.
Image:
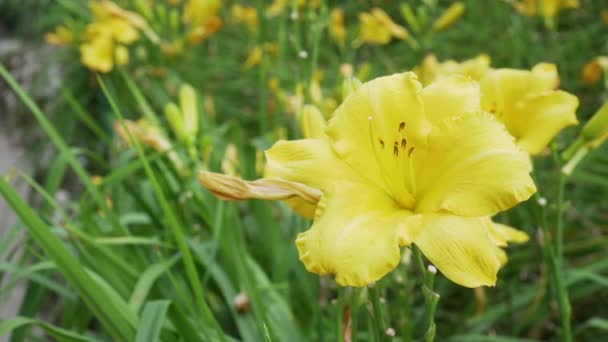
403	143
396	151
381	143
401	126
409	154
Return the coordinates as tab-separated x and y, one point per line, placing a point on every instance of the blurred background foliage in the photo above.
139	251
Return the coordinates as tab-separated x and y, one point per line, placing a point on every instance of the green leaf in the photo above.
115	322
59	334
152	321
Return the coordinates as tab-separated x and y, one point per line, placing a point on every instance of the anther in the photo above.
403	143
401	126
409	154
396	151
381	143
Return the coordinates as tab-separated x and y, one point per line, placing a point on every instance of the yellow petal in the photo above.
538	118
122	30
503	234
98	54
450	96
308	161
501	89
471	167
460	248
302	207
355	237
545	76
375	128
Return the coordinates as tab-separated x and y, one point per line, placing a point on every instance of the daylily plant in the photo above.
399	164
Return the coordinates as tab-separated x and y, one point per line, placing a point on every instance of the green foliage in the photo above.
144	253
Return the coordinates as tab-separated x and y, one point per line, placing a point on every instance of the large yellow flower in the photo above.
527	104
401	164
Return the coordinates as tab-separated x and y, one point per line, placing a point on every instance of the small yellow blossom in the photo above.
336	26
245	15
405	153
197	12
202	18
431	69
378	28
106	38
98	54
254	58
256	55
61	36
546	8
527	103
449	17
594	70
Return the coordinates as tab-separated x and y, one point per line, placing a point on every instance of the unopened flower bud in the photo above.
349	86
595	130
176	120
312	122
449	17
189	107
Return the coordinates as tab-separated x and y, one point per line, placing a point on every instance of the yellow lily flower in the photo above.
202	17
431	69
61	36
197	12
98	54
378	28
547	8
401	164
245	15
106	37
527	104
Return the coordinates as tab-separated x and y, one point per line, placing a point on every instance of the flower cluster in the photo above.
401	164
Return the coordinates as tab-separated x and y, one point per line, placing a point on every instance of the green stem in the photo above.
431	298
378	318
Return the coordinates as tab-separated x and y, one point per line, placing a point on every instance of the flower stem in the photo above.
431	298
379	324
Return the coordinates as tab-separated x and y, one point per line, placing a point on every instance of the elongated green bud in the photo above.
595	130
176	120
349	85
312	122
189	107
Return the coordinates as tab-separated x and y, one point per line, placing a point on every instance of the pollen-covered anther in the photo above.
401	126
409	153
403	143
